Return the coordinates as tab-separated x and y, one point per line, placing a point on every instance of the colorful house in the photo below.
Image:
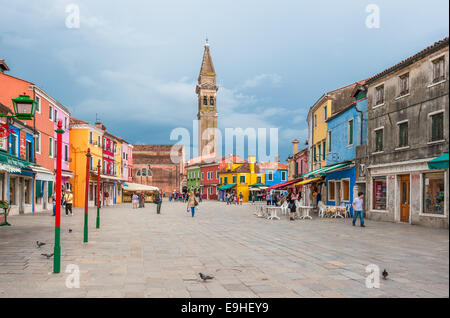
83	136
237	178
274	172
347	129
193	177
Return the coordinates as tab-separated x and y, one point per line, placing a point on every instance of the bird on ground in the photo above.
39	244
47	255
205	277
70	230
385	274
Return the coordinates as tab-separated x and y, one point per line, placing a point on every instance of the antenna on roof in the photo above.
206	40
97	119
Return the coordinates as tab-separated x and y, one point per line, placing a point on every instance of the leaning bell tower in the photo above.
206	90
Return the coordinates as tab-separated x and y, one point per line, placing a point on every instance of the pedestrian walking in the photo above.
134	201
241	197
54	203
358	209
291	199
68	201
268	198
158	201
192	203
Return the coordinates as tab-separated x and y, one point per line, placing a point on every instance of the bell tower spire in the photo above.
206	91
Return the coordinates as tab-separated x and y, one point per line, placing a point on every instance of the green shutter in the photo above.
38	188
50	188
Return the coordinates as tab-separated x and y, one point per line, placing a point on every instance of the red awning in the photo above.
282	185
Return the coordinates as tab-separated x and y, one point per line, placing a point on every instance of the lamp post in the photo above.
86	197
24	108
98	195
57	246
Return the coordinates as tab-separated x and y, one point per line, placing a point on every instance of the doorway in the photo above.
404	198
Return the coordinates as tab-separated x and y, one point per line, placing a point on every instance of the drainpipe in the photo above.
361	128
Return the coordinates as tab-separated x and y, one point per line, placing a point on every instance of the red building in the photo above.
209	178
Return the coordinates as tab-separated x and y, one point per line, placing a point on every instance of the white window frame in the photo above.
375	96
348	132
285	175
329	137
51	108
245	178
375	140
51	142
430	127
38	103
398	135
400	85
270	175
342	189
37	141
432	60
325	110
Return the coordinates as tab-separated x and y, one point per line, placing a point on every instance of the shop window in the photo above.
330	190
12	191
27	186
433	193
345	190
379	193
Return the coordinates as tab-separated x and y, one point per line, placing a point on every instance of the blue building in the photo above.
275	172
346	130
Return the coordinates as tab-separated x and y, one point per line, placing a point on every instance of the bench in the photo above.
3	216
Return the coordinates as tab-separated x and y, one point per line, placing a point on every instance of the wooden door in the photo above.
404	198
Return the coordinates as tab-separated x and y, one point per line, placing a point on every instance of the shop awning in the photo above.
281	185
440	162
307	181
12	163
227	186
322	171
129	186
42	173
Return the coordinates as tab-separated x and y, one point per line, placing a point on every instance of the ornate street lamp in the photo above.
24	108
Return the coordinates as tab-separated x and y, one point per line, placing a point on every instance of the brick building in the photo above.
161	166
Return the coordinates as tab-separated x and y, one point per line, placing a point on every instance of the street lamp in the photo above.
24	108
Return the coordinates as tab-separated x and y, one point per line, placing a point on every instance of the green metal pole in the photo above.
98	195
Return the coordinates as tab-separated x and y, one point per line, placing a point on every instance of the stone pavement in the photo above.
137	253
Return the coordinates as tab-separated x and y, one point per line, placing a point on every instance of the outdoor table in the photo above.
337	209
306	208
5	222
273	212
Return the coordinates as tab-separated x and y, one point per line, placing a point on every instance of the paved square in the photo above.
138	253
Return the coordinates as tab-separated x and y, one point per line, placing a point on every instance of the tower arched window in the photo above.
149	173
205	100
144	172
138	173
211	101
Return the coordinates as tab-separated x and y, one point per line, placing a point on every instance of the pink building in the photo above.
63	114
127	160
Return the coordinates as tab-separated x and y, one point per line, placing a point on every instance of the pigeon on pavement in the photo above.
205	277
47	255
385	274
70	230
39	244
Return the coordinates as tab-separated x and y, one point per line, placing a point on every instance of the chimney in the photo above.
251	161
99	125
294	146
3	66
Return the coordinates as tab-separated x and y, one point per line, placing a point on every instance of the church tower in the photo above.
207	107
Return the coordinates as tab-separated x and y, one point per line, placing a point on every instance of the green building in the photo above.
193	178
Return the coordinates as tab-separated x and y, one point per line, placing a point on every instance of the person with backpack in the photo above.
192	203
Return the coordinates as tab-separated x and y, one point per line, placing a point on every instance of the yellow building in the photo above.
83	136
238	177
320	112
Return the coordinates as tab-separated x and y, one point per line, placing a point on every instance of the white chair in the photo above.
322	209
284	208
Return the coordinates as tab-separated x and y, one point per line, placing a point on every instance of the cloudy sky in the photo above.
136	63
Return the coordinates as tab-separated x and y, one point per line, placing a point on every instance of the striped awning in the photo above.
322	171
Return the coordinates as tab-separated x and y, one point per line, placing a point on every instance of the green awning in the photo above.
227	186
12	163
324	170
259	184
440	162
